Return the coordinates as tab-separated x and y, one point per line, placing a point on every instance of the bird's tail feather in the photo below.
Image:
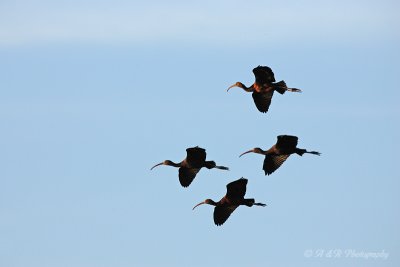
280	87
300	151
210	164
249	202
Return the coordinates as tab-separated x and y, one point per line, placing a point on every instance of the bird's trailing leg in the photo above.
294	90
211	164
222	168
314	153
281	88
249	202
300	152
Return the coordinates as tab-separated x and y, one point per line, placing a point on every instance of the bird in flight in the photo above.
278	153
263	88
234	197
191	165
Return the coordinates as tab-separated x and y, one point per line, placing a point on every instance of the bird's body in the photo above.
234	197
191	165
264	87
278	153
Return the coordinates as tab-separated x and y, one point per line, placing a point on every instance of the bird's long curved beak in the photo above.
251	150
157	165
233	85
199	204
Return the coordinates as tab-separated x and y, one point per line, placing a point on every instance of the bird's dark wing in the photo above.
286	144
236	190
264	75
222	213
196	156
273	162
187	175
262	100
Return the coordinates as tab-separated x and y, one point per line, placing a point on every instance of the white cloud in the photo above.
209	23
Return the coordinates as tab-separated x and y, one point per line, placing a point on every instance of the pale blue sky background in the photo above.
94	93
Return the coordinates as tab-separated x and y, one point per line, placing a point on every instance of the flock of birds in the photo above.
262	91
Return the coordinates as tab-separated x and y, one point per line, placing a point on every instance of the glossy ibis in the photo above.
191	165
263	88
234	198
278	153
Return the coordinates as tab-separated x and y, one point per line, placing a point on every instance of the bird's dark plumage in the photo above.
187	175
264	75
196	156
286	144
237	189
262	100
222	213
191	165
235	192
273	162
284	147
280	152
264	86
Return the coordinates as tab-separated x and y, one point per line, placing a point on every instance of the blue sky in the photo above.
94	93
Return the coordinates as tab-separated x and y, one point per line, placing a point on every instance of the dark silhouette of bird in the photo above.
263	88
191	165
278	153
234	198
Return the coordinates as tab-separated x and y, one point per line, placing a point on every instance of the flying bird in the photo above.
234	198
278	153
191	165
264	86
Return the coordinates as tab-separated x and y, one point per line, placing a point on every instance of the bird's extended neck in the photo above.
173	164
211	202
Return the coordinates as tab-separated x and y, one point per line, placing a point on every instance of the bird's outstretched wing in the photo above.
236	190
196	156
187	175
222	213
286	144
264	75
273	162
262	100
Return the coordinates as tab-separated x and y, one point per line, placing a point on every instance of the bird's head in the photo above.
254	150
237	84
207	201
